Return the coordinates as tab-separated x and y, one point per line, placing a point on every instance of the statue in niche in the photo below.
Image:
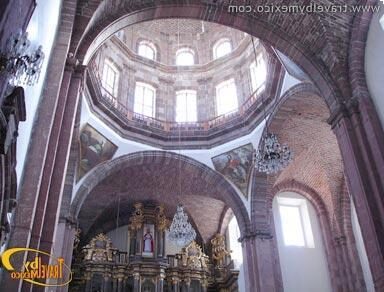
148	240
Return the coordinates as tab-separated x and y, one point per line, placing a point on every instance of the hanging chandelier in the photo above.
272	156
23	66
181	231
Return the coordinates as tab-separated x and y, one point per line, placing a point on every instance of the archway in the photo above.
196	179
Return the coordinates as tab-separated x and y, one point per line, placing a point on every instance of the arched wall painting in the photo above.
94	149
236	165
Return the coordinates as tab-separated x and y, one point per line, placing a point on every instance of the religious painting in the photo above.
148	240
94	149
236	165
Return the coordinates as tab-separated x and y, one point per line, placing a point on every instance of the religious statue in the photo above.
148	241
219	251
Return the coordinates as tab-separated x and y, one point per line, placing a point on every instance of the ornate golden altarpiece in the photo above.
100	267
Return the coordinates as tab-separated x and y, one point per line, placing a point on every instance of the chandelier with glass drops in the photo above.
23	65
272	156
181	231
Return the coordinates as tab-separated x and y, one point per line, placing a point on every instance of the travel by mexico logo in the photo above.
43	269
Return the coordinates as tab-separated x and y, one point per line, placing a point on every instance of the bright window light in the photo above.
110	78
226	97
258	71
185	57
382	22
221	48
186	106
147	50
234	244
145	96
295	222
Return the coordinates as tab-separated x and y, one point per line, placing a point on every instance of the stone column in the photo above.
175	284
136	282
261	259
361	142
107	283
262	271
88	282
120	284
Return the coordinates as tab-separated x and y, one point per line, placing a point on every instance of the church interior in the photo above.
192	146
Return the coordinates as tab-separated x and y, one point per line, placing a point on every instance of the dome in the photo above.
181	80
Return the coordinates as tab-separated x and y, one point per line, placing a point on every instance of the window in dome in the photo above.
226	97
145	96
382	22
221	48
295	222
147	50
185	57
186	108
258	74
110	80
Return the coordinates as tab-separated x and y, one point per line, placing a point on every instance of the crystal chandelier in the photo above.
181	231
272	156
23	66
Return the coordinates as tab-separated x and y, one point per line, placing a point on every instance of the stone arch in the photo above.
225	192
321	210
86	40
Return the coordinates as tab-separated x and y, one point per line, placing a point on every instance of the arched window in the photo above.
258	71
221	48
145	96
110	79
185	57
234	244
186	106
147	50
226	97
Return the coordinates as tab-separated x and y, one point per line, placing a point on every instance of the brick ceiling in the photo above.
152	185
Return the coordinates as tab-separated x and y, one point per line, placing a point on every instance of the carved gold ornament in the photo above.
137	217
219	251
99	249
162	221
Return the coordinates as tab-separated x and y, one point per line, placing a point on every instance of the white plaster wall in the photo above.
374	61
126	146
361	250
42	31
303	269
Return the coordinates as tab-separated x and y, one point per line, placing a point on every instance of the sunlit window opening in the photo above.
226	97
185	57
145	96
186	107
147	50
295	222
258	71
110	78
234	244
382	22
221	48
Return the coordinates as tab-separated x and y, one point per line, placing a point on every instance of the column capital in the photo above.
343	110
257	234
